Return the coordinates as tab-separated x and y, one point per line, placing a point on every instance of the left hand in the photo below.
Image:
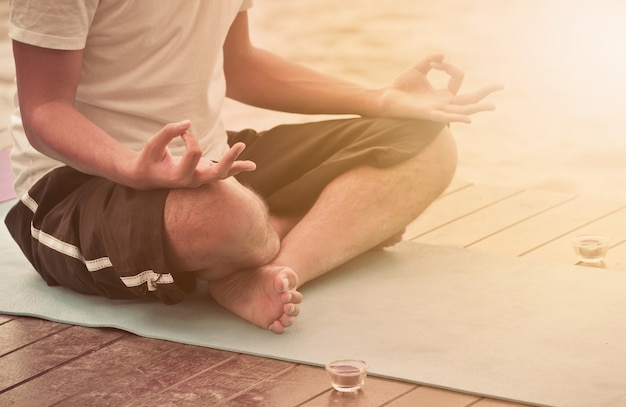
412	95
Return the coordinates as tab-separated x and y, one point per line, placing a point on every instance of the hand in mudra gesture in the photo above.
411	95
155	167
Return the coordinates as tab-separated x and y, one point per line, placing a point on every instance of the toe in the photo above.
291	310
291	297
286	279
287	321
277	327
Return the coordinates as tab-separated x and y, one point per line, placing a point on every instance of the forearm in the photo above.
47	80
59	131
268	81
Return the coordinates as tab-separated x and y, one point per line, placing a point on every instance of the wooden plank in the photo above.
160	380
430	397
5	318
616	257
560	250
376	392
191	380
454	206
487	221
549	225
95	369
290	388
497	403
51	352
457	184
20	332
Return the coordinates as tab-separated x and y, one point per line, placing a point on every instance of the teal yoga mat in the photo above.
510	328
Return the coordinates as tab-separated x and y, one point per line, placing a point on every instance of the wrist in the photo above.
372	105
122	168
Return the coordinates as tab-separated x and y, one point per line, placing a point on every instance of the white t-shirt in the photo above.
146	63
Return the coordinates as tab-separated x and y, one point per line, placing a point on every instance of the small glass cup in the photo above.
347	375
591	249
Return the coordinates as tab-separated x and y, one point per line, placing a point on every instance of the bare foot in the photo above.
265	296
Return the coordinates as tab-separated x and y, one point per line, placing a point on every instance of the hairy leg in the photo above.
365	208
361	209
222	227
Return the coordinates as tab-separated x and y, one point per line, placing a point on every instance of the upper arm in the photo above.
237	48
45	75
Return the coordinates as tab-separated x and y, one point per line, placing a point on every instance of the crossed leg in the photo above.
359	210
222	227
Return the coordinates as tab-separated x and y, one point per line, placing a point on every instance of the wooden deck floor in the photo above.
44	363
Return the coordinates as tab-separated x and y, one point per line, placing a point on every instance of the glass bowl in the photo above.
347	375
591	249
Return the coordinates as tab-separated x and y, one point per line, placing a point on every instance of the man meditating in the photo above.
131	187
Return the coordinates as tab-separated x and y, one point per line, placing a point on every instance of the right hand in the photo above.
155	167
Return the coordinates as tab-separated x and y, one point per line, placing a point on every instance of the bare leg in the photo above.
356	212
365	207
223	227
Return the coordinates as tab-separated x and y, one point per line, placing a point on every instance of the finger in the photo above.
468	109
229	164
442	116
224	166
234	152
208	172
158	143
456	75
241	166
425	65
477	95
192	156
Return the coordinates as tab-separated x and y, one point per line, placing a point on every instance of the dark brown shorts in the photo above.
97	237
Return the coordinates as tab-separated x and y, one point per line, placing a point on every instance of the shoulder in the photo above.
57	24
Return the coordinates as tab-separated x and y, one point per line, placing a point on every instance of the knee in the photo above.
437	159
247	232
444	152
252	233
436	163
221	225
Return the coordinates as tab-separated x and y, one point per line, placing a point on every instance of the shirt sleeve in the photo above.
56	24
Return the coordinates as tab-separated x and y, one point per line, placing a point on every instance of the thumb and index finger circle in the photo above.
159	142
